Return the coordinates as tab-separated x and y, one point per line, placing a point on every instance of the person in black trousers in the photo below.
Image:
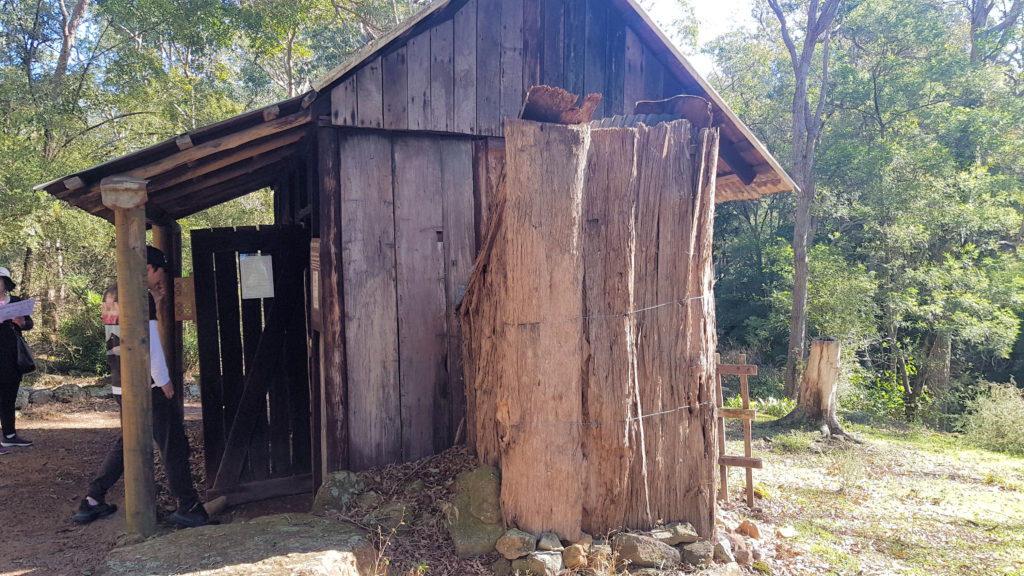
168	419
10	375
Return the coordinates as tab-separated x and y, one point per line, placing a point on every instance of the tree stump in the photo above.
816	397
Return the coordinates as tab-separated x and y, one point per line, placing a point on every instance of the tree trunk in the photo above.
589	331
816	400
933	373
26	273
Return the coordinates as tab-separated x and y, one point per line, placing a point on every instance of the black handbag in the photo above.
26	363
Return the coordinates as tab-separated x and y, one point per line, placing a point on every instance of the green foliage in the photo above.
771	406
81	345
882	394
995	419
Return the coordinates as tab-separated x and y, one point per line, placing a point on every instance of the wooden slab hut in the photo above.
384	180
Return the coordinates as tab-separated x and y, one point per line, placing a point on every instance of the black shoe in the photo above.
87	512
191	517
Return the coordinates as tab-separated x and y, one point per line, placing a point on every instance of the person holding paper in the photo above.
10	374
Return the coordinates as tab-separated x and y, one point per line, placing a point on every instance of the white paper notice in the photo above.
15	309
257	272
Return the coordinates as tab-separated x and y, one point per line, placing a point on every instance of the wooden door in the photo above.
251	328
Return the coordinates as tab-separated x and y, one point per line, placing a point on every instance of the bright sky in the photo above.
715	16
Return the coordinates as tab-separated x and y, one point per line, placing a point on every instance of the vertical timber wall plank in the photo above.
616	66
344	102
371	332
575	46
511	59
465	69
418	61
533	44
460	252
595	62
396	90
634	73
488	67
333	372
551	72
442	77
419	258
369	95
214	431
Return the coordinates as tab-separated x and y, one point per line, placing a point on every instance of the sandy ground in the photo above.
43	484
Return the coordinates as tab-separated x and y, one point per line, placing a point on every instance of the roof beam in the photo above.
743	169
248	171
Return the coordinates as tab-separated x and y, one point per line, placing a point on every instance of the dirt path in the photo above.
43	484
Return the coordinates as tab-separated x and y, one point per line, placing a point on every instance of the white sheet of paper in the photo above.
15	309
257	274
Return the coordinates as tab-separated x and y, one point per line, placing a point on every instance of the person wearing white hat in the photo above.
10	375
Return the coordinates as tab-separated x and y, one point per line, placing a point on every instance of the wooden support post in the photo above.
168	239
723	470
127	198
745	392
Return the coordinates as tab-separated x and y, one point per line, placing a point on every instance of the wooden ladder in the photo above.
743	370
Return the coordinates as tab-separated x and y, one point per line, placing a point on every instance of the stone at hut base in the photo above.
544	563
698	553
743	556
515	544
585	540
644	551
549	542
675	533
575	556
474	521
723	551
502	567
337	493
748	528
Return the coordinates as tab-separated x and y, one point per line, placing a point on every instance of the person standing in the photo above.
10	374
168	419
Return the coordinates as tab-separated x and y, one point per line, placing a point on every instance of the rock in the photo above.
743	556
69	393
549	542
392	516
40	397
502	567
369	499
675	533
474	521
644	551
755	551
337	493
515	544
723	551
575	556
787	532
99	391
698	553
22	399
519	566
586	540
738	542
750	529
544	563
730	569
279	544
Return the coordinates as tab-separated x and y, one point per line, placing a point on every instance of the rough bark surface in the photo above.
816	399
589	329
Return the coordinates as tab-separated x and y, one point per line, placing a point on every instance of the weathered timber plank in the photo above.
230	326
575	46
370	95
654	77
252	329
737	369
368	268
633	89
396	90
460	251
615	73
740	462
333	371
465	68
208	345
442	77
488	67
344	102
540	328
533	43
737	413
595	62
609	440
419	258
553	48
418	64
511	59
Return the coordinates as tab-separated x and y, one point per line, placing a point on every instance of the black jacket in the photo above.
8	347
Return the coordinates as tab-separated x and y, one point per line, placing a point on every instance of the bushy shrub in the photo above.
879	394
80	344
777	407
995	419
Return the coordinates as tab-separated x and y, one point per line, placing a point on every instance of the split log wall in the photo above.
589	330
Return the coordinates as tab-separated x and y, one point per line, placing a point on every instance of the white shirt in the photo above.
157	363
